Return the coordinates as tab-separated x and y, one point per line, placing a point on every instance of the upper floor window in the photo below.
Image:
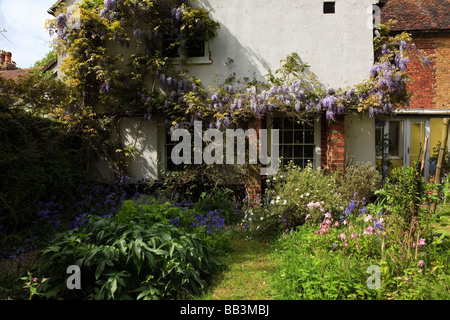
329	7
195	53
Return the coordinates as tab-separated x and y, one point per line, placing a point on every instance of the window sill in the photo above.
191	61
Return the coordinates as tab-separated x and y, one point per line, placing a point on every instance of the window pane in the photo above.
278	123
298	151
288	137
299	162
309	152
309	137
287	152
298	137
298	126
288	124
195	48
394	138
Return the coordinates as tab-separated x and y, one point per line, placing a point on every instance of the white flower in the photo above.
368	218
296	189
284	202
307	194
272	202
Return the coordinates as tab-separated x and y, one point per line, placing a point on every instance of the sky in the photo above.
24	21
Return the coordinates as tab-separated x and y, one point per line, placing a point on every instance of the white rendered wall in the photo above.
359	140
256	34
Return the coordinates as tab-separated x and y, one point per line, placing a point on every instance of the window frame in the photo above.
293	129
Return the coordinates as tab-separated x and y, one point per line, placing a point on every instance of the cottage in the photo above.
428	22
333	38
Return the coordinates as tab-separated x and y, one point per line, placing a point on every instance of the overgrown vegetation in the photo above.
331	226
396	235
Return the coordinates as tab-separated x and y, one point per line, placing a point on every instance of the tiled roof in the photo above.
417	15
14	74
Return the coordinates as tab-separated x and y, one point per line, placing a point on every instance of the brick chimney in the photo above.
6	62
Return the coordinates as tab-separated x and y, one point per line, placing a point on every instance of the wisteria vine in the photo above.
157	28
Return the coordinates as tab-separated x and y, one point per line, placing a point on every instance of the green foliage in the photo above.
404	195
208	224
359	182
127	260
310	271
38	159
285	203
222	199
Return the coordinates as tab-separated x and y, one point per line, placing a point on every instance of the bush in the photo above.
210	226
359	182
291	196
220	200
126	259
329	259
39	159
312	268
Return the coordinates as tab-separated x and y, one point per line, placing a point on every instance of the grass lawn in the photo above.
249	268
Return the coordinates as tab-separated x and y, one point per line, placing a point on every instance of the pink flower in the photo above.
345	222
353	235
421	263
406	279
343	236
369	230
307	216
345	244
357	246
421	242
336	224
327	215
420	270
327	221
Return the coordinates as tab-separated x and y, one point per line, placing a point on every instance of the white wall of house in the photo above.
359	131
254	36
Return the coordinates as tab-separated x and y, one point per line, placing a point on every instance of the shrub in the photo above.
39	159
220	200
210	226
359	182
311	268
126	259
292	195
329	259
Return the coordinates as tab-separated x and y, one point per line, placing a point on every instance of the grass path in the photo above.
247	277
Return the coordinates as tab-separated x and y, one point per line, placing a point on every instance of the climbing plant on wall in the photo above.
121	60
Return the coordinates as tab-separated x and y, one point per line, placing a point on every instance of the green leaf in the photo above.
99	270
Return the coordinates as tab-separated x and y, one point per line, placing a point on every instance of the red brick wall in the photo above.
332	144
442	61
254	175
423	78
